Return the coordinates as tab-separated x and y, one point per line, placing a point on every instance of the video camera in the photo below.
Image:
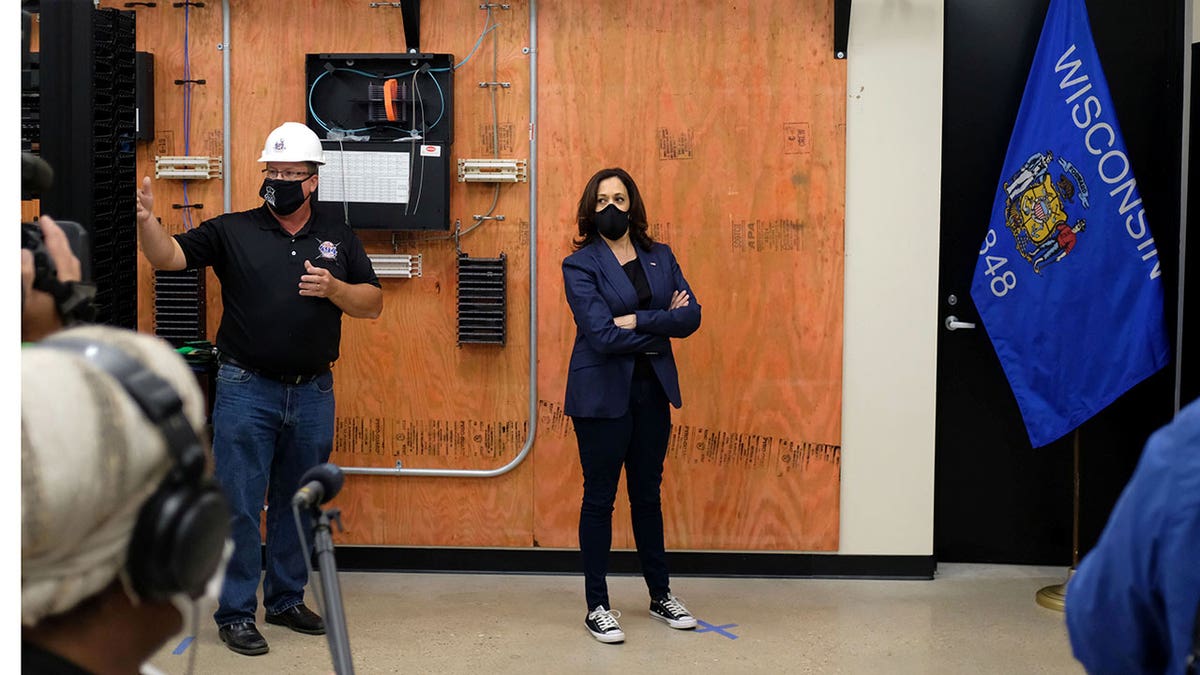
73	298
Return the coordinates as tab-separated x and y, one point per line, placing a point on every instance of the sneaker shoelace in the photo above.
674	606
605	619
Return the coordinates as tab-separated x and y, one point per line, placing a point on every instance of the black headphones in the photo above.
179	538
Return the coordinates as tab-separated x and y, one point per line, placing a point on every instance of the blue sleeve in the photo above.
676	323
594	318
1114	605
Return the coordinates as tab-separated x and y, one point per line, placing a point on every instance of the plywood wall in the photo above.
731	117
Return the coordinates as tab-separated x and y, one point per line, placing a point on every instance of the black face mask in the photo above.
611	222
283	196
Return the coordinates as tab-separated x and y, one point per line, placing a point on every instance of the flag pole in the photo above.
1055	596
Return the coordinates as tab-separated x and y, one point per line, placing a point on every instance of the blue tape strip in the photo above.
187	642
704	627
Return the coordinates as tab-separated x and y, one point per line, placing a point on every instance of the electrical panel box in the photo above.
387	123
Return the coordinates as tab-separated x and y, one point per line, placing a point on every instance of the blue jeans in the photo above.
637	441
266	434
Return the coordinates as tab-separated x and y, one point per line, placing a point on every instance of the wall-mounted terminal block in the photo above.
482	300
492	171
180	299
188	168
396	265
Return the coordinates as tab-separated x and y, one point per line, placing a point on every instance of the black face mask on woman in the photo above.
283	196
611	222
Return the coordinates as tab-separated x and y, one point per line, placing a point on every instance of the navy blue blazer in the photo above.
598	290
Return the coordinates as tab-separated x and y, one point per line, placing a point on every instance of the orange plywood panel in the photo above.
731	118
31	210
405	391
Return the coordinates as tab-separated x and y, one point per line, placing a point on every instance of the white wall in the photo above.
893	173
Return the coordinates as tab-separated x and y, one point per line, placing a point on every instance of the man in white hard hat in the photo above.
287	275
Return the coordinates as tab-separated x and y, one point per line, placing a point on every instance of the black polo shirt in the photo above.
266	323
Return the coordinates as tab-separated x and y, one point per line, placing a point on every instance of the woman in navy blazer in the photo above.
629	298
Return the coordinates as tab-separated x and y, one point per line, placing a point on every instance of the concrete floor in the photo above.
970	619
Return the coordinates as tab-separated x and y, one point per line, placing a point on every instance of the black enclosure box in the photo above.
386	122
345	93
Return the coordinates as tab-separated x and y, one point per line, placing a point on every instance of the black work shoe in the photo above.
244	638
300	619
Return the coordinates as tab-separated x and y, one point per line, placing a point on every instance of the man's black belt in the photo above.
278	377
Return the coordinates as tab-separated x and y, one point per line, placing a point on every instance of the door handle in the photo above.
952	323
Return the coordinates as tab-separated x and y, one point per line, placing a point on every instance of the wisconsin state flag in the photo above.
1068	283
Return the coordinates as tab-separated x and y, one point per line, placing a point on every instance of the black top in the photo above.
38	661
637	277
266	323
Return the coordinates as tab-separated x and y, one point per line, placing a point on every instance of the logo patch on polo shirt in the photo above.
328	250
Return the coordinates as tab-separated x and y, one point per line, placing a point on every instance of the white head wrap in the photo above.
89	459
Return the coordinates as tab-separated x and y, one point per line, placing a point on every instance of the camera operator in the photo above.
54	290
40	313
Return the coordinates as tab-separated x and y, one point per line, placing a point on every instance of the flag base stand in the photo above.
1055	597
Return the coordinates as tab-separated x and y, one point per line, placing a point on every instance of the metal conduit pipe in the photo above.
490	473
227	188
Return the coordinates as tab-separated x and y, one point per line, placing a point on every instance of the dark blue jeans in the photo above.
266	434
638	441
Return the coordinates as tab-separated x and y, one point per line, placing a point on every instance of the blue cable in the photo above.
441	95
477	43
187	213
313	112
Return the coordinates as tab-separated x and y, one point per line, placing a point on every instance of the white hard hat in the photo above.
292	142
